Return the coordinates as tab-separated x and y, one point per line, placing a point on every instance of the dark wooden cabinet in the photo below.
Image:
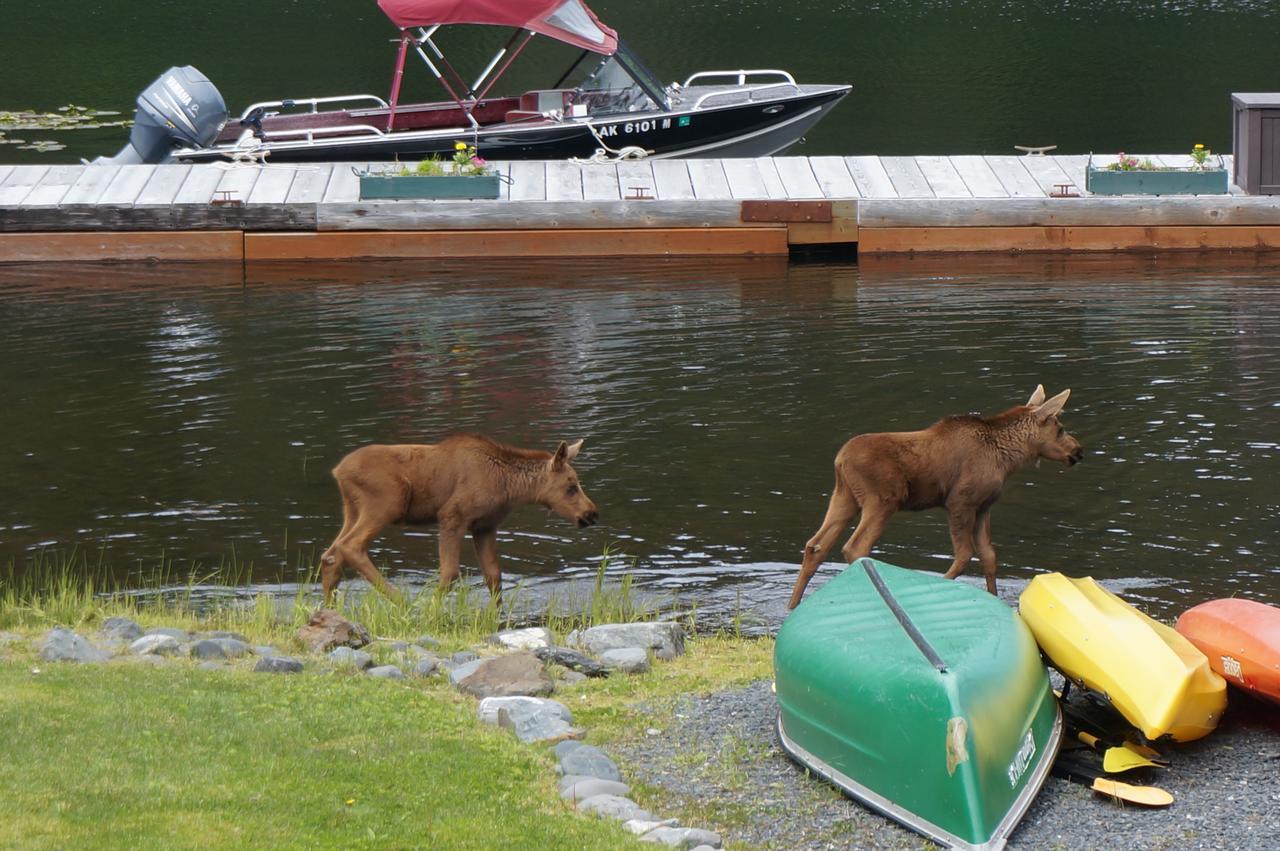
1255	141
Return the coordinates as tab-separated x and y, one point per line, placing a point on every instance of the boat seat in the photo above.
523	115
544	100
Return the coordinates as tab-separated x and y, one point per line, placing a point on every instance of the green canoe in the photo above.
923	698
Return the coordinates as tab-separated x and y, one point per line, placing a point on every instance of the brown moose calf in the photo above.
959	463
465	483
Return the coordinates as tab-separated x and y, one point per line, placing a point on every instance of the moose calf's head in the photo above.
561	491
1052	442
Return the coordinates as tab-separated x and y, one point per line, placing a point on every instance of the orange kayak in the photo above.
1241	639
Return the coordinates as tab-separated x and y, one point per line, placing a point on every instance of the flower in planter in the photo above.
467	160
1200	154
1124	162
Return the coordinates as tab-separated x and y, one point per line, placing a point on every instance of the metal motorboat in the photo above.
606	104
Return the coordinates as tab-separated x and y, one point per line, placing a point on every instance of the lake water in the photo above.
189	415
929	76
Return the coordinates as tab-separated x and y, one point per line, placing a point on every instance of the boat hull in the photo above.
758	128
957	754
1156	678
1241	639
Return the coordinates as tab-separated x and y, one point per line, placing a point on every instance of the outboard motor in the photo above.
181	108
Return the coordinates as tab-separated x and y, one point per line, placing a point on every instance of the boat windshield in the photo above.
621	84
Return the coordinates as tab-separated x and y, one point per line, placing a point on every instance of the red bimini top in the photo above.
569	21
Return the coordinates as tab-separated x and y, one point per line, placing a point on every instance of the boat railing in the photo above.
308	134
749	91
741	75
291	103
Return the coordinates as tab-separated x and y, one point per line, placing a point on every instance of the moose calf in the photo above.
959	463
465	483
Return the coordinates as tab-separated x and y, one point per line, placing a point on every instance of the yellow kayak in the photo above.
1157	679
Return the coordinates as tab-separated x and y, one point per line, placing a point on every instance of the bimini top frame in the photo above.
567	21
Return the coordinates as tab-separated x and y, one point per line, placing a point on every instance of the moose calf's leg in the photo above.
354	553
962	525
986	550
451	535
330	571
839	512
875	516
487	552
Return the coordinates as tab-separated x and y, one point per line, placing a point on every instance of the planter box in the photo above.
1101	181
421	186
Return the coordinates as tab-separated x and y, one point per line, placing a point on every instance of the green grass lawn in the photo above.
126	756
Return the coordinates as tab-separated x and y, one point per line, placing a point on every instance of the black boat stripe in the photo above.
910	628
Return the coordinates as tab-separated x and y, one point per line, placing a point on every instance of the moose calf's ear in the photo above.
1053	407
574	449
558	457
1037	397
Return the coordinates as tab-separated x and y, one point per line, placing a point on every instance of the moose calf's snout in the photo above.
588	519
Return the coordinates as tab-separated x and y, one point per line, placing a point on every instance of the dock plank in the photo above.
978	177
309	184
709	180
1173	160
1093	212
1074	166
4	172
53	186
745	180
344	185
93	181
772	180
528	180
672	177
797	176
163	186
1017	181
870	177
635	177
237	182
19	183
600	182
907	178
564	181
1047	173
272	185
833	177
531	215
126	185
199	185
943	178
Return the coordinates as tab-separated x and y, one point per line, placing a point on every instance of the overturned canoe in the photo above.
1241	639
1156	678
923	698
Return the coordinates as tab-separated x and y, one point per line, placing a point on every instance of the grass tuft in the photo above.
74	589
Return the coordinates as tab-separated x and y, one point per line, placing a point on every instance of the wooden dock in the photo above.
884	205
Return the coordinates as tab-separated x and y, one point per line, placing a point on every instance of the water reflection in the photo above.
180	417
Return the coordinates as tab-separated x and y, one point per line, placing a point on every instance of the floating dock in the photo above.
882	205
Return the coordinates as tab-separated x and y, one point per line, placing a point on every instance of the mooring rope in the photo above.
627	153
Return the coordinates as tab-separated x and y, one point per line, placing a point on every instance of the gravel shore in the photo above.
721	758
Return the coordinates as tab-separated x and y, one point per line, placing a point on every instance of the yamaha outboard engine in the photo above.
181	108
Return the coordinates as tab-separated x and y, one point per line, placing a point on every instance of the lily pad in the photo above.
43	146
70	117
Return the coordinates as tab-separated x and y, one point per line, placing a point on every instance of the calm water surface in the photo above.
929	76
190	416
